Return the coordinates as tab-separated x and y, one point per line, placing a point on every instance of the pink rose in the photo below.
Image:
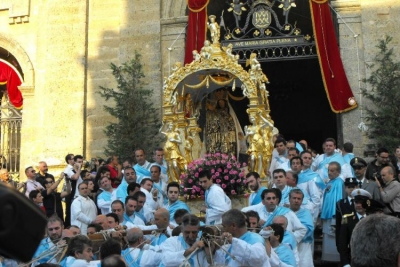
198	189
218	161
212	171
233	192
241	174
226	177
213	177
190	181
200	169
223	186
233	157
219	169
196	175
226	171
214	162
217	154
238	181
185	190
232	181
217	174
229	166
193	191
218	181
246	195
223	161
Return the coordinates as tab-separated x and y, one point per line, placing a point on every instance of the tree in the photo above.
138	120
384	115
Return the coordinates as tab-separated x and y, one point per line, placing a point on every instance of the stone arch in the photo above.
20	54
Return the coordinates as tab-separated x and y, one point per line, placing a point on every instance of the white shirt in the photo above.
32	185
83	213
345	168
69	171
245	254
173	250
217	203
150	258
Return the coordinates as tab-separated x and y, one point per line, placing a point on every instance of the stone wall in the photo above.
362	23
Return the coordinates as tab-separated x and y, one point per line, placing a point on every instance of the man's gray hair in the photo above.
234	216
376	242
134	236
281	217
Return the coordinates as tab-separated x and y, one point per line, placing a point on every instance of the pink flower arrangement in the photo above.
226	172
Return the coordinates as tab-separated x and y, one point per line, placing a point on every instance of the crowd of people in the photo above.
126	214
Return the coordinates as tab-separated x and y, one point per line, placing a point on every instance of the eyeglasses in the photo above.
269	198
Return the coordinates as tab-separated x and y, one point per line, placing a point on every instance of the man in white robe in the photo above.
83	209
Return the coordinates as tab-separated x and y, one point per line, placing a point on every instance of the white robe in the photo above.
83	213
217	203
245	254
150	258
173	250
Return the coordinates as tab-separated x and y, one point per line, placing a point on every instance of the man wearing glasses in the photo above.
359	166
52	199
374	167
31	183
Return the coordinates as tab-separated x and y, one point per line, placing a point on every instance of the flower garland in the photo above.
226	172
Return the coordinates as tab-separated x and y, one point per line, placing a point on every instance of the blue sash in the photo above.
257	196
299	147
129	260
249	238
208	205
335	157
278	211
141	215
122	193
156	241
278	159
333	193
141	172
306	219
176	206
161	192
185	247
286	255
127	219
308	175
347	158
288	238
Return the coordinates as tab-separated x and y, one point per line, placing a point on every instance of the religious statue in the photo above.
172	154
237	7
213	27
196	55
221	130
206	50
258	145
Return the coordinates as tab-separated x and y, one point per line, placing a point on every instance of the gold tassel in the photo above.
234	85
207	82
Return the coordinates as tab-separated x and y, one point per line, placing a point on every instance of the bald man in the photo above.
161	219
135	255
102	220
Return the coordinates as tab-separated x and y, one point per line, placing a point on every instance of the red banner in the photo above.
10	77
197	27
340	96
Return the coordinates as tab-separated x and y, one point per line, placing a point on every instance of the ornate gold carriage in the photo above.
188	88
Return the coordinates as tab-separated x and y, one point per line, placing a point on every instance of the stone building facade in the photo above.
65	48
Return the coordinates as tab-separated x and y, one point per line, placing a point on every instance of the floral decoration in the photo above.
226	172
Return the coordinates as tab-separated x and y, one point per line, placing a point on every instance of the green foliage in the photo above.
137	119
384	116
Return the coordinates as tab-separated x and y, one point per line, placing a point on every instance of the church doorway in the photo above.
285	48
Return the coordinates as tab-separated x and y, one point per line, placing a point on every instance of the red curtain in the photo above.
10	77
337	87
197	27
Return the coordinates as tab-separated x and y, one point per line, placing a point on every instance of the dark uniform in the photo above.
344	206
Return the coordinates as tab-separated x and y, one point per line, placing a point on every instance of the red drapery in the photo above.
337	87
10	77
197	27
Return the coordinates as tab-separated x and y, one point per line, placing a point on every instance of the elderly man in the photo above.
83	209
333	193
136	254
381	246
161	219
304	248
185	247
390	193
55	227
247	248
